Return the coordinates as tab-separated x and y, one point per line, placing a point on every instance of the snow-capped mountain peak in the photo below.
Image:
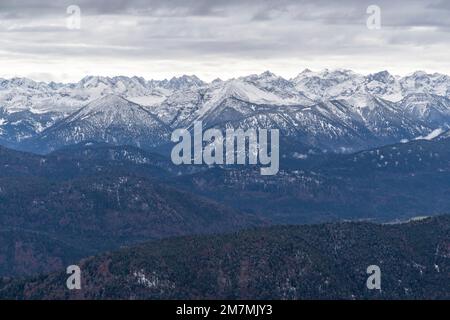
382	76
108	103
422	82
112	119
184	82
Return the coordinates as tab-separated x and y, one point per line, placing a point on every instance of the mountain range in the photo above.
338	111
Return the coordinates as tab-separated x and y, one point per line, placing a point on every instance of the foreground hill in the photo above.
327	261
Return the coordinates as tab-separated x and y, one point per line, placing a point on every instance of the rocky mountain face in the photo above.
337	84
334	110
110	119
327	261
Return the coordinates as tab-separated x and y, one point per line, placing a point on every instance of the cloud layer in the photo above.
211	38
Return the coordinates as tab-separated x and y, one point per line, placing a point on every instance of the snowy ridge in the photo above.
110	119
333	109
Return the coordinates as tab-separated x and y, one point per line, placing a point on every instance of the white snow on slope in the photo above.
432	135
417	100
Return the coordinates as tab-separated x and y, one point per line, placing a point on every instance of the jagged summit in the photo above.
382	76
306	70
184	82
268	74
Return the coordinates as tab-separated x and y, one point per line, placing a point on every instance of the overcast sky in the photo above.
220	38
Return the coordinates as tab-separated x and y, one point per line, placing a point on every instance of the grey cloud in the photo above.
440	5
201	30
403	12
